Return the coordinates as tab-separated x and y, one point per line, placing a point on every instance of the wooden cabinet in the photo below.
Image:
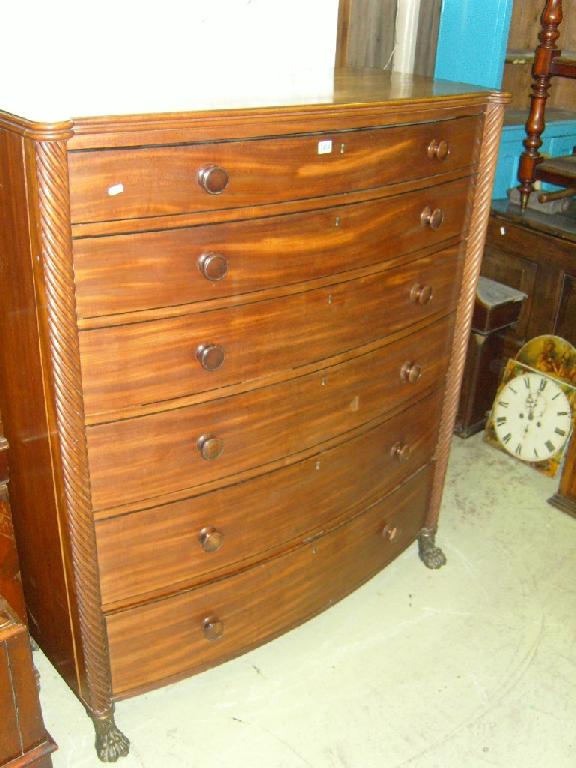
23	737
236	343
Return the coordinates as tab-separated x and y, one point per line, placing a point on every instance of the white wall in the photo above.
60	51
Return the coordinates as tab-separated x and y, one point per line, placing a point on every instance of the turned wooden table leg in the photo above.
544	54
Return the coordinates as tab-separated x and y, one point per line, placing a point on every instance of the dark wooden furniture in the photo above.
236	343
536	253
23	737
548	63
10	581
496	308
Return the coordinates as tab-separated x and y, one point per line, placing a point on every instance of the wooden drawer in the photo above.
158	269
165	639
155	181
143	457
157	549
148	362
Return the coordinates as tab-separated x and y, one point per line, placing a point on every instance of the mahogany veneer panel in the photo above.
303	411
155	269
166	637
147	362
159	548
164	180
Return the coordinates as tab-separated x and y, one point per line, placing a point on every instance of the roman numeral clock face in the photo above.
532	417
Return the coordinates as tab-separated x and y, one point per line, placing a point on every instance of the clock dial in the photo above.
532	417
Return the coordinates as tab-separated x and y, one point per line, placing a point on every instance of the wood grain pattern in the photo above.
474	250
163	180
22	390
258	426
23	737
164	639
160	269
158	550
148	362
70	455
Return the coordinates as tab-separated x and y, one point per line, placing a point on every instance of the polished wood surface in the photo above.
254	329
10	579
23	737
135	272
148	362
305	411
166	638
157	550
22	391
158	181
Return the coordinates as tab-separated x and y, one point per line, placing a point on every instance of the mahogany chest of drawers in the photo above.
237	338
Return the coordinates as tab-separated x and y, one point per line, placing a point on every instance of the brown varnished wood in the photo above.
135	272
158	181
10	579
23	737
313	349
153	361
181	220
305	411
158	550
265	600
22	392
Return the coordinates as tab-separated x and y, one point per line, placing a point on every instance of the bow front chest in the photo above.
234	345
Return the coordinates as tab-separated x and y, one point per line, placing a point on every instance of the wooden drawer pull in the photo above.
213	179
210	447
213	266
213	628
410	373
421	294
210	356
389	532
438	150
211	539
433	218
401	451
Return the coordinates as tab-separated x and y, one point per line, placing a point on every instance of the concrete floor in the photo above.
470	666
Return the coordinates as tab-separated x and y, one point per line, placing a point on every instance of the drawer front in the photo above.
169	638
149	362
179	543
144	457
158	269
108	185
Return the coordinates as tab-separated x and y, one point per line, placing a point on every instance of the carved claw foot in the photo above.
110	741
431	555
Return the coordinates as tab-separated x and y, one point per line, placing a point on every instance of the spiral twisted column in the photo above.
64	360
473	257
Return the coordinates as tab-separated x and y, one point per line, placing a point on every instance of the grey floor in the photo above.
470	666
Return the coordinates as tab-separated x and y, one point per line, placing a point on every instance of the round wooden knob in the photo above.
210	356
433	218
401	451
213	179
211	539
389	532
213	266
410	373
421	294
210	447
438	150
213	628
